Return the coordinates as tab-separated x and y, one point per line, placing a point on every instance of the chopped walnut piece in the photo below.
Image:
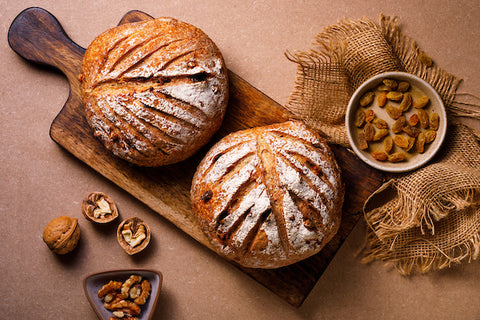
110	287
135	292
108	298
142	298
128	307
128	284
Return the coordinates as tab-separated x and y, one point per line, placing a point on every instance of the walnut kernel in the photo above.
99	208
133	235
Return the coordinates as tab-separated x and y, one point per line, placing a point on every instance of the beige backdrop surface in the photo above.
40	181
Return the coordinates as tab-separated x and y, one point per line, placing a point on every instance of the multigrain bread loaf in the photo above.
269	196
154	91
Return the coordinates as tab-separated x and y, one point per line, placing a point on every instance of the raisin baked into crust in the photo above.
154	91
269	196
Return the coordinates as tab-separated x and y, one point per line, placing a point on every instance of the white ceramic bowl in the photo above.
415	160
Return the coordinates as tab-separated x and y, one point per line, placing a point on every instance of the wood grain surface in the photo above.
38	37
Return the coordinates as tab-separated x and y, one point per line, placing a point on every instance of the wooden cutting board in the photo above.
38	37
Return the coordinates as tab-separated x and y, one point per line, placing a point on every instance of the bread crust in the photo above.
270	196
154	91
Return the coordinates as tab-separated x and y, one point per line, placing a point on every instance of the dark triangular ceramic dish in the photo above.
94	282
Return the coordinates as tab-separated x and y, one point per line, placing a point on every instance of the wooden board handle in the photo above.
36	35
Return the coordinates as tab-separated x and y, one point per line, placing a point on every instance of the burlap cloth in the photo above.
429	218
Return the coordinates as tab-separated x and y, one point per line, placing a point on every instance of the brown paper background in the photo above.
40	181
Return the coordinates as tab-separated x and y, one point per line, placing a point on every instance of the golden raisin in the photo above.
359	118
383	88
401	141
369	132
421	102
398	125
380	123
379	155
425	59
379	134
406	102
366	99
423	118
403	86
382	99
413	120
396	157
434	121
430	135
390	83
420	143
369	115
411	131
388	144
411	143
362	142
395	96
393	112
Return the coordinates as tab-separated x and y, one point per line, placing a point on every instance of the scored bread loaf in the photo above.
269	196
154	91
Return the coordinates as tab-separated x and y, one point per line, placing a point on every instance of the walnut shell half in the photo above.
133	235
99	208
62	234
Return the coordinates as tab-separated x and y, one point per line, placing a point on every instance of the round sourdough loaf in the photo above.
154	91
269	196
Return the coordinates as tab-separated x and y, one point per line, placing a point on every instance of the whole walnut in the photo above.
62	234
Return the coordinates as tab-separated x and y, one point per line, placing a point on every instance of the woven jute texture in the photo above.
429	218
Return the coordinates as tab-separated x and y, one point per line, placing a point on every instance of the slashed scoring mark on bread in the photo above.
131	63
125	124
110	124
122	52
161	122
175	107
230	157
153	134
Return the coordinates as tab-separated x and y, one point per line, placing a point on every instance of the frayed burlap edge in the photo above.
426	253
390	220
311	68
